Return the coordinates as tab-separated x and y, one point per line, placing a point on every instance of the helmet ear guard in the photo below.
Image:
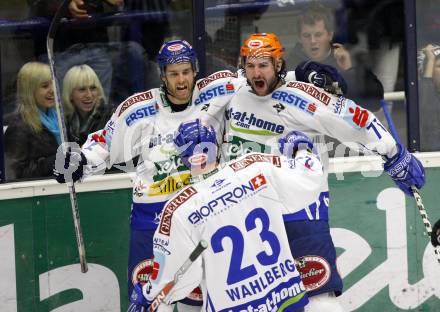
176	52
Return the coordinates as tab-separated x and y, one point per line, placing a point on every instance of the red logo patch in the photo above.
360	116
258	181
229	87
99	138
315	271
312	107
142	271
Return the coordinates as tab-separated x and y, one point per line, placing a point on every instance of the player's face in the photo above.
261	74
179	80
44	95
85	98
436	74
316	40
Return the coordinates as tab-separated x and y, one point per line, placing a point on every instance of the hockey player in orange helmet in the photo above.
260	55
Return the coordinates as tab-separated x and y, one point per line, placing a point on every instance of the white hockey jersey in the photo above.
239	211
303	107
144	125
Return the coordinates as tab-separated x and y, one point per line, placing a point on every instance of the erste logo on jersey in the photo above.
144	96
223	74
139	113
315	271
295	100
215	91
248	160
311	90
171	206
227	199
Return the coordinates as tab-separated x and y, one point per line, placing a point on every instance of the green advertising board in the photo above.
383	253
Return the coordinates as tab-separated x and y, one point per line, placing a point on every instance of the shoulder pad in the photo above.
141	97
201	83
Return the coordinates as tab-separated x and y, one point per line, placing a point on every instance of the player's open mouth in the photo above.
181	88
259	84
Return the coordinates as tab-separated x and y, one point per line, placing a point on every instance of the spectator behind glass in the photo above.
429	97
84	102
316	30
78	43
33	136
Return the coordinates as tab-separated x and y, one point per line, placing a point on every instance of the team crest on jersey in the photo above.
145	270
315	271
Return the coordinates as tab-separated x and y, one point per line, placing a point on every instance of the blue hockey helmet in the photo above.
176	52
196	143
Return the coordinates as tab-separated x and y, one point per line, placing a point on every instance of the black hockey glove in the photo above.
321	75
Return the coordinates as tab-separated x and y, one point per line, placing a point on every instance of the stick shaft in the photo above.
201	246
63	132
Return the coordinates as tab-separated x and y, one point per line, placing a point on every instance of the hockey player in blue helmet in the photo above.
143	126
220	208
178	66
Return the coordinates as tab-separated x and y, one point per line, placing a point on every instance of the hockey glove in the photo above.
435	235
405	170
69	166
294	141
138	302
322	76
196	142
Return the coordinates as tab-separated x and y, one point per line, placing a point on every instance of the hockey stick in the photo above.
201	246
415	191
60	114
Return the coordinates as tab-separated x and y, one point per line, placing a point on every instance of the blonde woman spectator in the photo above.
33	136
84	103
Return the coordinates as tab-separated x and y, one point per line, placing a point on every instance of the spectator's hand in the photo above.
429	52
405	170
77	9
342	56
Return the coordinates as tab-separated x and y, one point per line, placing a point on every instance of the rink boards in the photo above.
384	256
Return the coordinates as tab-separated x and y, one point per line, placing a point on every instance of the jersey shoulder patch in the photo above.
215	76
249	159
171	206
135	98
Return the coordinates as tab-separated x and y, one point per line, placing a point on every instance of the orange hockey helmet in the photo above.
262	45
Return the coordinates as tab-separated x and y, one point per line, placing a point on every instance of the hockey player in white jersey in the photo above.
145	125
271	104
238	209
